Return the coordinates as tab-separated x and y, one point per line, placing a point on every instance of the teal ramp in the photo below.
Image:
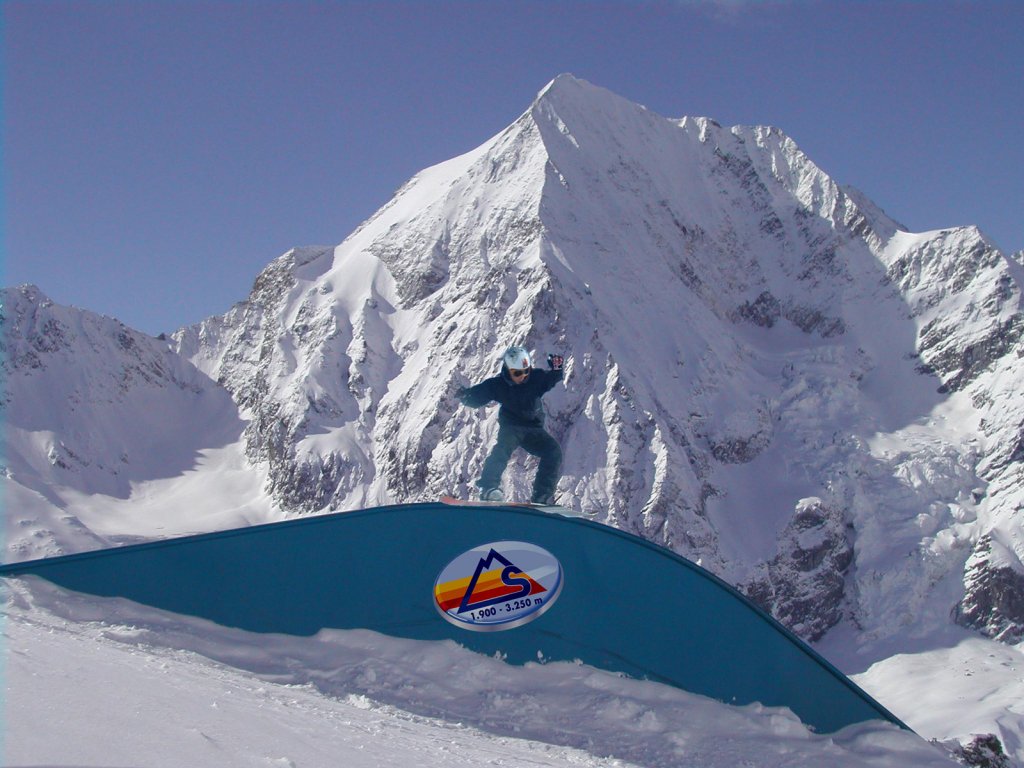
610	599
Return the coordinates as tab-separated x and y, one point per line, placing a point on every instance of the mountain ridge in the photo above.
761	361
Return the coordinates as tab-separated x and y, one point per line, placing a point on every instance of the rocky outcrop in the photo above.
804	585
994	599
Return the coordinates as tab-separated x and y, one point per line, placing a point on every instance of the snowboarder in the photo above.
519	388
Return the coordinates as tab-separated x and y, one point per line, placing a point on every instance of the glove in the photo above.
555	362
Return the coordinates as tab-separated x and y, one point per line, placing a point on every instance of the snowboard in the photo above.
554	509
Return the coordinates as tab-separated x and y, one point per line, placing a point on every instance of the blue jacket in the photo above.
520	403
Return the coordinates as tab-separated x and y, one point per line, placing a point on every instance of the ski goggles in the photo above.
518	373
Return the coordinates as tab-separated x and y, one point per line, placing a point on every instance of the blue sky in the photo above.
157	155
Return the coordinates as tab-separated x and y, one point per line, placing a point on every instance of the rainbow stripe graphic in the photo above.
484	588
501	585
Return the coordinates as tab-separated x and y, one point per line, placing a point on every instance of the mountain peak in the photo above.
565	83
569	91
27	292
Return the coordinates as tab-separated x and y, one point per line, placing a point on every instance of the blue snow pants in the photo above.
537	442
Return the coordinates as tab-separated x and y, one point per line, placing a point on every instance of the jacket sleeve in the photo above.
550	379
478	395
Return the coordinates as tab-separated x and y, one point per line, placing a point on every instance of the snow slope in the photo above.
111	437
117	684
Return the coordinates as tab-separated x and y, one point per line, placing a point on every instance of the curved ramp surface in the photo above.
620	603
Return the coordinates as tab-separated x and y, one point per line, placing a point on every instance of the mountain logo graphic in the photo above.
500	585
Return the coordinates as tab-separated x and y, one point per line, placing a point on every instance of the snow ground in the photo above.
977	683
102	682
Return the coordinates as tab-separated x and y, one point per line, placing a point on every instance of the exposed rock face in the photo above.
985	750
994	599
766	311
804	585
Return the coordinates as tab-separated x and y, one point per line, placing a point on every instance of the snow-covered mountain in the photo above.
111	436
765	373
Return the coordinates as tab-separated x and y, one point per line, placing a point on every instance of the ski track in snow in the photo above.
117	684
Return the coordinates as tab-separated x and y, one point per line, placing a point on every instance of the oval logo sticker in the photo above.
496	586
